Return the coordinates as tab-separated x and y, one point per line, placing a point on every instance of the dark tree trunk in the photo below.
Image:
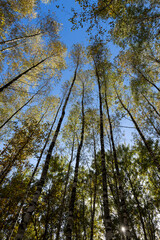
21	74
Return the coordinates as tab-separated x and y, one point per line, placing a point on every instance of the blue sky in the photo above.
63	13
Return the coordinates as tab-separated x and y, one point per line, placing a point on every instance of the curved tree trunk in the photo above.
20	38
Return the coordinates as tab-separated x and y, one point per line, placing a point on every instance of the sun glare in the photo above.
123	229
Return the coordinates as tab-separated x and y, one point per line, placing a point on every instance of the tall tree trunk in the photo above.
107	218
74	187
23	73
20	108
28	213
121	198
32	176
155	160
95	189
64	194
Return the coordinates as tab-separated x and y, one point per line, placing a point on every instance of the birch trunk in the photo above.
64	194
21	74
28	213
20	38
74	187
107	218
121	197
146	79
33	174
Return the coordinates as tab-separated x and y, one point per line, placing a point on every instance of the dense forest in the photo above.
80	152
